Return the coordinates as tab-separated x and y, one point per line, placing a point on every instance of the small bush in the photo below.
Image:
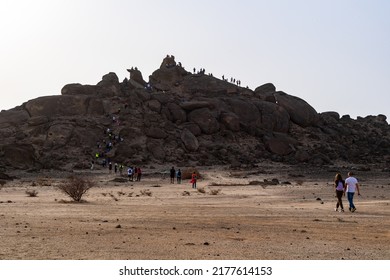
186	193
215	192
121	193
113	197
32	193
76	187
201	190
43	181
300	182
146	192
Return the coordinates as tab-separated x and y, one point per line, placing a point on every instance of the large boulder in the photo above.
13	118
246	111
167	77
280	144
177	113
79	89
21	156
265	89
109	85
299	110
195	104
230	121
155	147
156	132
58	105
272	117
95	106
154	105
59	134
136	78
192	127
189	140
205	84
205	120
168	62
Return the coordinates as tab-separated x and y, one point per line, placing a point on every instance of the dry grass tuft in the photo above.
32	193
300	182
146	192
215	192
43	181
186	193
201	190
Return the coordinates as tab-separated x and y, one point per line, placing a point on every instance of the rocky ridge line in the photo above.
183	118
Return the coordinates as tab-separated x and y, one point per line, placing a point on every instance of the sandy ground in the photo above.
285	221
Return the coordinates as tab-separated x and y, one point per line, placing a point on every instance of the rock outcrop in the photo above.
180	117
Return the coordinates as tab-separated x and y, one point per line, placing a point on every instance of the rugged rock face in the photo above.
179	117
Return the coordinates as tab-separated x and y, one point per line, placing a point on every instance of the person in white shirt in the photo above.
351	186
130	173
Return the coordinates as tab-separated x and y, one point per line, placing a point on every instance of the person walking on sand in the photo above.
130	173
350	187
139	174
135	170
193	180
339	188
173	174
178	176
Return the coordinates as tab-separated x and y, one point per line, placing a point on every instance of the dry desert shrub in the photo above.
186	193
201	190
113	197
32	193
300	182
146	192
121	193
215	192
2	183
75	187
43	181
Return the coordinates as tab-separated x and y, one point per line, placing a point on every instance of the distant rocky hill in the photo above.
178	117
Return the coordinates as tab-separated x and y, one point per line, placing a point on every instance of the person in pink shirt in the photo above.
339	188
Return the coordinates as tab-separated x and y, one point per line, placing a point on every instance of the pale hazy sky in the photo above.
335	54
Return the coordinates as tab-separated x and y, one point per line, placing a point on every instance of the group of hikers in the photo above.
350	186
177	174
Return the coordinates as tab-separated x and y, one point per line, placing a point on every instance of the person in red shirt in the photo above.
193	180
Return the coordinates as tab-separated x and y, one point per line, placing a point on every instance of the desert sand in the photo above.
154	219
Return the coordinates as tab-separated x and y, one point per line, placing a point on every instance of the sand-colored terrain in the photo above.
241	221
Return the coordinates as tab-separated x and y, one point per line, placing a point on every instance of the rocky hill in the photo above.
184	118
